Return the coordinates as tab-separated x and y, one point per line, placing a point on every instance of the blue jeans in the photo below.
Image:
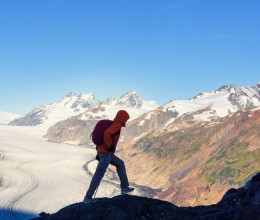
120	168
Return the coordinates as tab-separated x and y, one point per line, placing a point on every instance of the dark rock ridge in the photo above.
236	204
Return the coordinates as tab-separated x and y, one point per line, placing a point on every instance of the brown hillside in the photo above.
195	162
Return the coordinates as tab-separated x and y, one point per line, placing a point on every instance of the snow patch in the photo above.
169	122
141	122
72	142
213	123
122	138
148	116
136	138
255	109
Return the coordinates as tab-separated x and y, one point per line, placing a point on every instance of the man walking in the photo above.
111	137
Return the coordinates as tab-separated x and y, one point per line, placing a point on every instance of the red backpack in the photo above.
98	132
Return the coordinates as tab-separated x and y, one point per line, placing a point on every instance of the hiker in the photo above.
110	139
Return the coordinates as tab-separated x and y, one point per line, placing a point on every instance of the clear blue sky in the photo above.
163	49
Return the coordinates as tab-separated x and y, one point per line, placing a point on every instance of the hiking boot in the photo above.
127	190
88	200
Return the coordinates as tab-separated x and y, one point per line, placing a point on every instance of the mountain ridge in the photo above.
217	104
73	104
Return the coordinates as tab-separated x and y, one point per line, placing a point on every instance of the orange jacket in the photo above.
112	134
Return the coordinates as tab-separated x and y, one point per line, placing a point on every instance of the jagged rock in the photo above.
236	204
42	214
247	195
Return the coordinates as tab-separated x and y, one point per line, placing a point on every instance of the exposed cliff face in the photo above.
236	204
145	124
196	161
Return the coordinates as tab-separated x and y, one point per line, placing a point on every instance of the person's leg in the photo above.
120	168
98	174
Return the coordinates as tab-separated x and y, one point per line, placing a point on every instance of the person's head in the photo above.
122	116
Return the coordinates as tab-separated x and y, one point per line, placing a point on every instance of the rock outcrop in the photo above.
236	204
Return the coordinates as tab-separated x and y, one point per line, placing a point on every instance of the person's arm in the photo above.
109	132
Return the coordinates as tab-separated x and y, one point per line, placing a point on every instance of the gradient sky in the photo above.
163	49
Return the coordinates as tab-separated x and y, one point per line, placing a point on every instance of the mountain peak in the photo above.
83	95
70	94
130	93
227	88
131	99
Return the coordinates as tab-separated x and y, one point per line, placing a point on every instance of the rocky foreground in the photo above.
236	204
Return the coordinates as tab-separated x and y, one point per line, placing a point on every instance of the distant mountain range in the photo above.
73	104
77	129
70	105
208	105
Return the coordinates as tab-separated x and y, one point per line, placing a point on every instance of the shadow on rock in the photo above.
236	204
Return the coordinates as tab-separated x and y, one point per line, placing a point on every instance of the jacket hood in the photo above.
122	116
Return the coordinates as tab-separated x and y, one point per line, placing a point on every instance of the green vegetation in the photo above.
175	144
233	163
158	152
148	145
155	169
184	137
243	132
194	147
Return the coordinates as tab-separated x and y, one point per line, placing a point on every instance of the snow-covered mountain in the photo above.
6	117
78	128
145	117
219	103
204	107
130	101
87	106
70	105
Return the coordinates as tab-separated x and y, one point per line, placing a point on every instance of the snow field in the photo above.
41	176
